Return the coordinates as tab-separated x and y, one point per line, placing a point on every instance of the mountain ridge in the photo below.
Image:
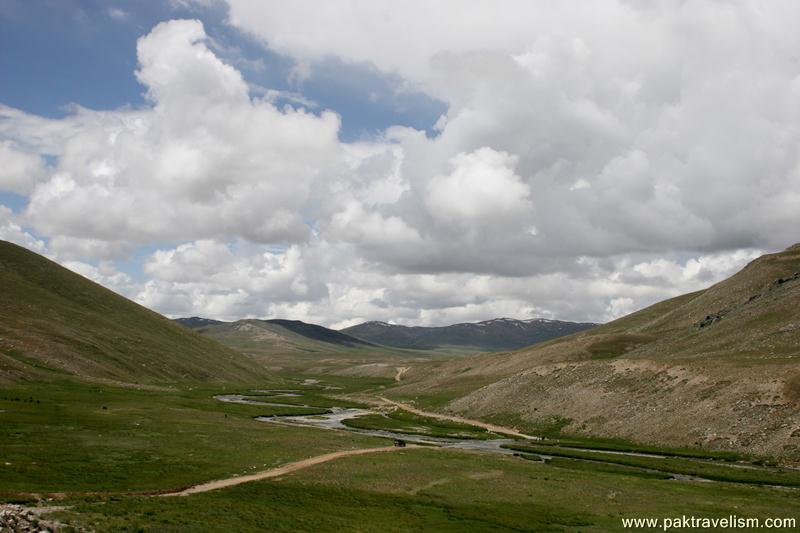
308	330
196	322
488	335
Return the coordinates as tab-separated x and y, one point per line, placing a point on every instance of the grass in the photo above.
307	507
284	349
620	445
443	393
336	389
53	320
100	444
593	495
687	467
72	437
577	464
435	490
545	426
616	345
550	428
310	398
402	421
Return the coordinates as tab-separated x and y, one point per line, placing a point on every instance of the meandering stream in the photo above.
253	400
333	420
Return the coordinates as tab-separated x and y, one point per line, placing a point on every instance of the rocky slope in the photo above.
17	518
718	368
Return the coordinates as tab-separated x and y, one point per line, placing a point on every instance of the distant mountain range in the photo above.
293	335
196	322
274	336
490	335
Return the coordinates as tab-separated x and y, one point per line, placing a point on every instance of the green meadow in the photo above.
104	453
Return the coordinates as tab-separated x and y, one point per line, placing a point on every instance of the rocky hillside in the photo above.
718	368
487	336
55	323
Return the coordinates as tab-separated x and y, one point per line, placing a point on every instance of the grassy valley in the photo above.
105	407
433	490
103	455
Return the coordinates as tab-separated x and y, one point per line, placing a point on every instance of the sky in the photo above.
416	162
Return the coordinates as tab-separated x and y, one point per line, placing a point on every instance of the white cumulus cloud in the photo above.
594	158
204	161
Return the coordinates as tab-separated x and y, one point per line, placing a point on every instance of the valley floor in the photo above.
104	454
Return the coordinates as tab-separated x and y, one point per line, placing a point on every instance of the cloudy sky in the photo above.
420	162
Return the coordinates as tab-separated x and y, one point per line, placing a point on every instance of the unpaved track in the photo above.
280	470
452	418
400	371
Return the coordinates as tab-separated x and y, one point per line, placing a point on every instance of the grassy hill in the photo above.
295	346
277	334
54	322
487	336
196	322
718	368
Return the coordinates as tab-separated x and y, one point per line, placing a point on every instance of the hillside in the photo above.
716	368
292	345
54	322
196	322
280	334
489	335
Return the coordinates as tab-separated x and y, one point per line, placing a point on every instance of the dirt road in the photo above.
452	418
400	371
281	470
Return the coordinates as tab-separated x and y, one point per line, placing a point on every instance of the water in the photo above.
334	420
259	397
278	392
250	400
331	420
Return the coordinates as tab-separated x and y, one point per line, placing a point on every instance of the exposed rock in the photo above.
710	319
19	518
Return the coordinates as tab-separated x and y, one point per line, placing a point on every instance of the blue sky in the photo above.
54	54
61	52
